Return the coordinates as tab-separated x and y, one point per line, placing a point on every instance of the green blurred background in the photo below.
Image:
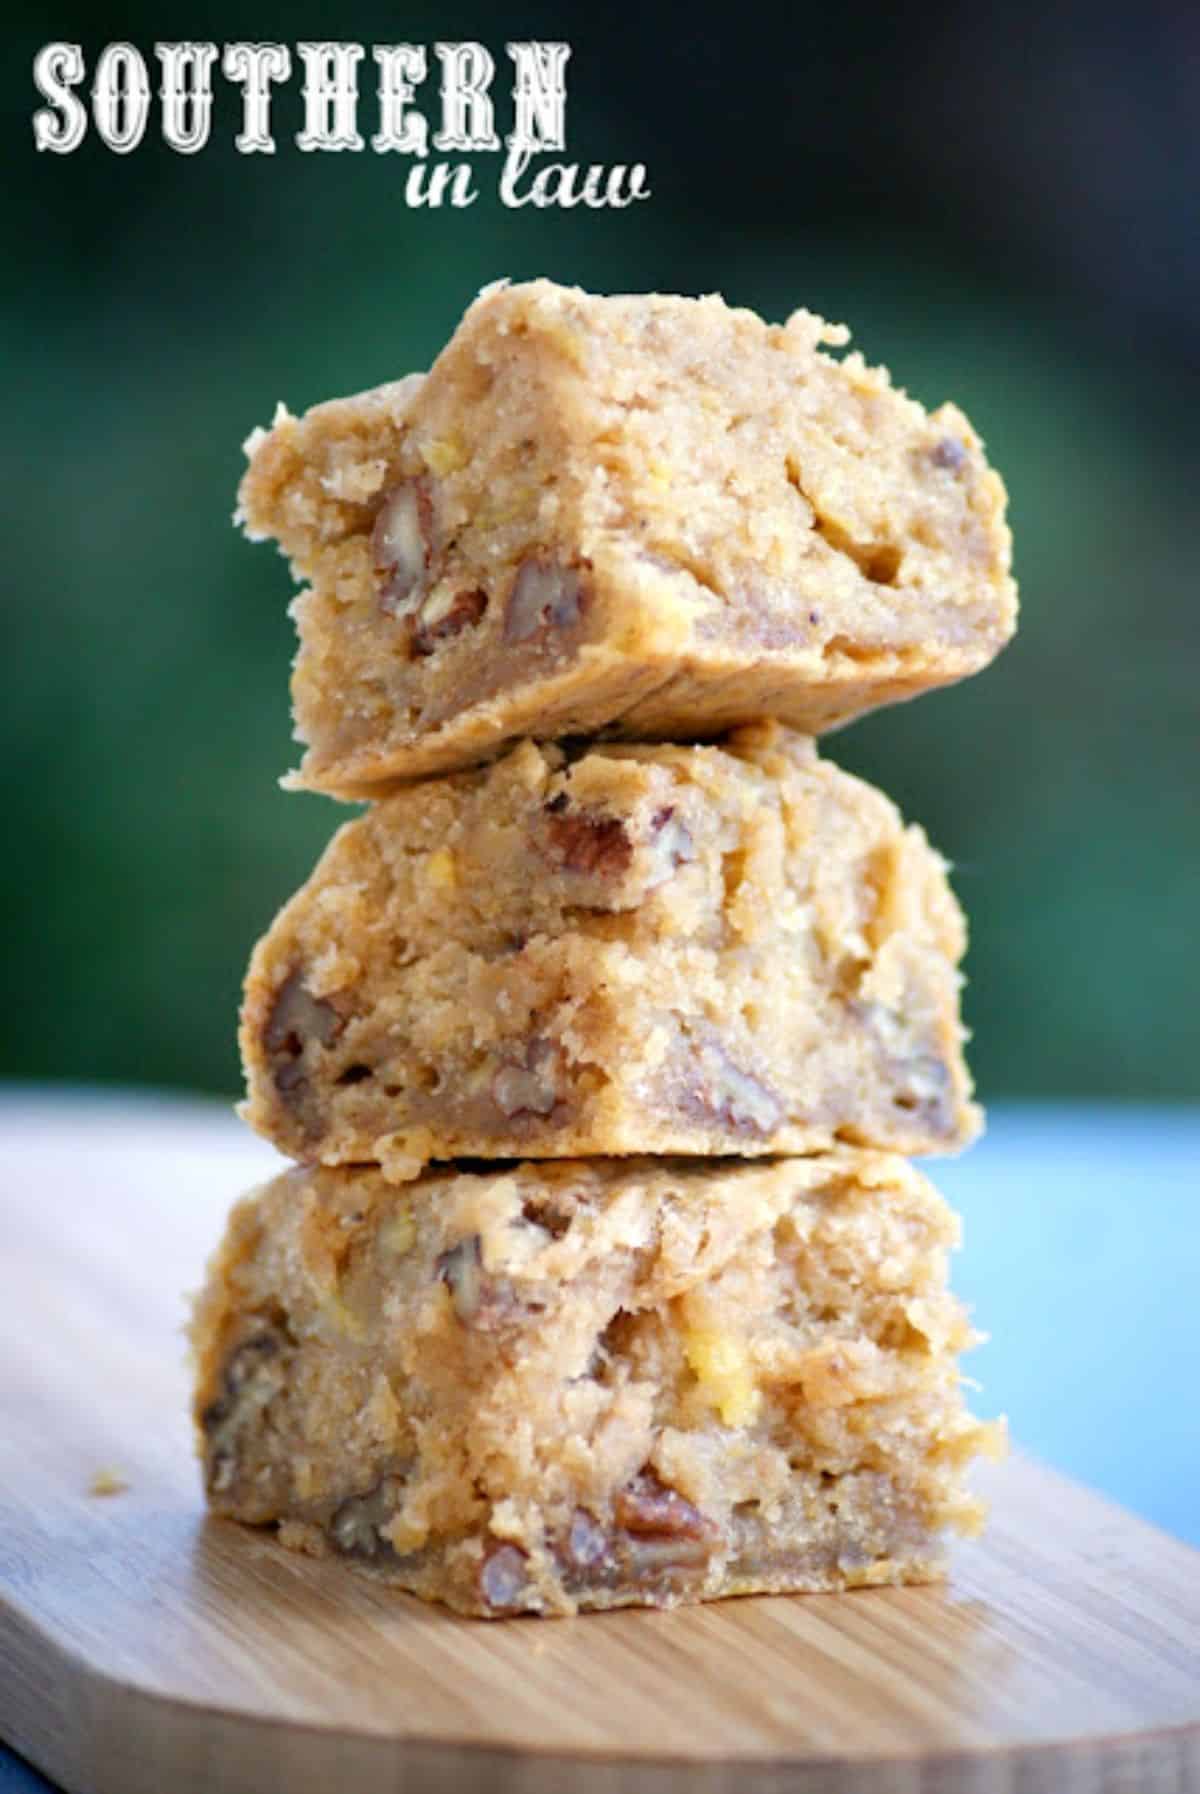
1002	202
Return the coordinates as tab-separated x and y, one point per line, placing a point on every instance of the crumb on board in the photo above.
107	1481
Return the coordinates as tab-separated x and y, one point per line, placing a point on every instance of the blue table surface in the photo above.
1081	1260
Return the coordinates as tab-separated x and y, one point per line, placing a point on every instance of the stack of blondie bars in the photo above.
602	1038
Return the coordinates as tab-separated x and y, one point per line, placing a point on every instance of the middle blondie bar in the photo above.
638	949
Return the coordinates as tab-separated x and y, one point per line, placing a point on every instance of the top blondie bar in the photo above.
651	516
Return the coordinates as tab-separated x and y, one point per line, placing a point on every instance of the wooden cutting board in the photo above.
145	1649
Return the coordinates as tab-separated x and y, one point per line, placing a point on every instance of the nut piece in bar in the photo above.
649	515
592	1384
735	949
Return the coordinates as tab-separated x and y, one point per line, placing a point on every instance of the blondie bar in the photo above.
736	949
557	1386
650	515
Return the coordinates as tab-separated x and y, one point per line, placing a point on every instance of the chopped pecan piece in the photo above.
461	1271
671	843
402	545
948	453
481	1302
549	1213
921	1081
545	596
662	1531
926	1089
252	1375
503	1578
587	842
586	1544
651	1556
531	1088
445	615
354	1528
295	1018
723	1092
647	1506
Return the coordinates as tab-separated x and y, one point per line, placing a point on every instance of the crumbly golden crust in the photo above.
551	1386
639	949
651	515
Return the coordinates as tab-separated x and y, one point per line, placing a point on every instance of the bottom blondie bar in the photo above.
546	1387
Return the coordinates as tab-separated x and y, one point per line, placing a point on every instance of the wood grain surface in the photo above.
144	1648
